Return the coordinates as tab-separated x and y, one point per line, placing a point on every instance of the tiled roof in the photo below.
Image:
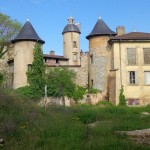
55	57
28	33
100	28
132	36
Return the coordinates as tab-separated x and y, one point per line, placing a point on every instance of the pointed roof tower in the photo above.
99	29
71	27
28	33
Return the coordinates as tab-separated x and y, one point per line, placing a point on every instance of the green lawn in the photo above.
26	126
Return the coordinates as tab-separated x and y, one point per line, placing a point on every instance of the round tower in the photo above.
71	42
23	53
99	56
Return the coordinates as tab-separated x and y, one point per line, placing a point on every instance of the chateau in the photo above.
114	59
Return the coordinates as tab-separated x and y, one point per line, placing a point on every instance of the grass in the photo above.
26	126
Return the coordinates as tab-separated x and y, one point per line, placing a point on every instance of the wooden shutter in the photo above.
146	55
131	56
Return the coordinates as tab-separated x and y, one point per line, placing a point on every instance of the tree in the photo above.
8	30
60	82
78	93
36	76
122	99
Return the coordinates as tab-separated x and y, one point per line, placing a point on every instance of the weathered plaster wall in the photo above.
135	91
23	55
68	39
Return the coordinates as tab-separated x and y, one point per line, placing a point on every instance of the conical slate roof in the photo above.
28	33
71	27
100	28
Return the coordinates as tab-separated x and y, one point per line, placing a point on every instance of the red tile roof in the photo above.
131	36
55	56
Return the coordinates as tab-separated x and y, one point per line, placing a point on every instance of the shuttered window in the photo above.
131	56
147	77
146	55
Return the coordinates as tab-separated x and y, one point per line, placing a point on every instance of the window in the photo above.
74	44
146	55
131	56
132	77
57	61
147	77
92	83
29	67
91	59
75	57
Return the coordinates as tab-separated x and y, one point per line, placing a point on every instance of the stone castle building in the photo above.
114	59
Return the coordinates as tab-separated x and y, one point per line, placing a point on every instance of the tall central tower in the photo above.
71	42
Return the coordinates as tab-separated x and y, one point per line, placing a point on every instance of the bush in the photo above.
92	91
122	100
78	93
29	92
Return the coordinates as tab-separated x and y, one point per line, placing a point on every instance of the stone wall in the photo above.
99	69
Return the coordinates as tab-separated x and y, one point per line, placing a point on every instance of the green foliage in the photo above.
25	91
36	76
26	126
8	30
78	93
122	100
92	91
60	82
1	78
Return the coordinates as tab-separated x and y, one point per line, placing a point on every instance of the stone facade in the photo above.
100	64
107	66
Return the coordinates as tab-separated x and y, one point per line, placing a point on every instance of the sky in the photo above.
49	17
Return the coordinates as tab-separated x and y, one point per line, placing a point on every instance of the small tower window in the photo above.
29	67
92	83
74	44
75	57
91	59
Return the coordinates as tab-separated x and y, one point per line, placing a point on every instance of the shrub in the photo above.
122	100
92	91
78	93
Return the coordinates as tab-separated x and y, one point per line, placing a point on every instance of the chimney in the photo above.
52	52
71	20
78	25
120	30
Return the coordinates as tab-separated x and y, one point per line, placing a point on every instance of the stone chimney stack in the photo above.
120	30
52	52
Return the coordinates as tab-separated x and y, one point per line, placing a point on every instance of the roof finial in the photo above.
100	17
27	19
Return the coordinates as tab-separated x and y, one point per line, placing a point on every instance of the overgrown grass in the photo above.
26	126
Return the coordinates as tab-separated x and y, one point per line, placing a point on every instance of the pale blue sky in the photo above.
49	17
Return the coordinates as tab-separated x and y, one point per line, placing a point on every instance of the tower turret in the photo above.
99	55
71	42
23	53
